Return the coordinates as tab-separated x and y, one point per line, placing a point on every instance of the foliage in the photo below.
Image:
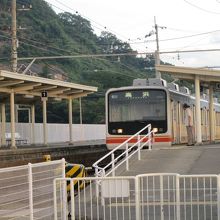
47	34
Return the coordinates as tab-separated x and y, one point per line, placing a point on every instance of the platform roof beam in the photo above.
198	75
32	86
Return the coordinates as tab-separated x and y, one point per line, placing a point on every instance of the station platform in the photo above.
203	159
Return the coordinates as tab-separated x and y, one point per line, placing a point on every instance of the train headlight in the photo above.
120	131
155	130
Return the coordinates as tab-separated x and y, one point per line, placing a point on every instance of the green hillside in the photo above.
45	33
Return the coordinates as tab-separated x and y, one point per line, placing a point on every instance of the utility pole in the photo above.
14	55
157	52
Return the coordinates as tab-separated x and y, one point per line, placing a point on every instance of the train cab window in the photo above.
134	109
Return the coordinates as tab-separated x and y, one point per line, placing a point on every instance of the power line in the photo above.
200	8
79	56
190	51
90	19
177	38
114	54
31	45
189	36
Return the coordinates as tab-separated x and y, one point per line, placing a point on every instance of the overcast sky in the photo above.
132	20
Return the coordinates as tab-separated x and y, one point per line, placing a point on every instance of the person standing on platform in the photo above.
189	124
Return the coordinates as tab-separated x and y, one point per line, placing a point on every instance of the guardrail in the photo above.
26	192
164	196
128	152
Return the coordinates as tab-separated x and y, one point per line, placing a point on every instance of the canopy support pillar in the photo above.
32	124
3	124
211	114
70	121
12	111
198	111
44	120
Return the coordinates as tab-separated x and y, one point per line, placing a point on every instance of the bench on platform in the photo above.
18	139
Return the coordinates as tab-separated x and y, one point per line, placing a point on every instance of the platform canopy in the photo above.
25	89
32	86
205	74
199	76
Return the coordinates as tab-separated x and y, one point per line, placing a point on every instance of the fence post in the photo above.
54	199
113	164
149	138
127	162
177	197
97	184
139	147
30	180
63	168
137	198
72	200
161	198
218	195
64	193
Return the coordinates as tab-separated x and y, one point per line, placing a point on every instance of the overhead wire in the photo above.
144	42
200	8
91	20
189	36
79	14
121	64
40	48
116	44
35	41
65	11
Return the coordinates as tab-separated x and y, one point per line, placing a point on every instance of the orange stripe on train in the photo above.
115	140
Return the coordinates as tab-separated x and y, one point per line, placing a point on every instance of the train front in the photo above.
130	109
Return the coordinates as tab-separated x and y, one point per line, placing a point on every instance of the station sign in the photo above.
217	87
44	96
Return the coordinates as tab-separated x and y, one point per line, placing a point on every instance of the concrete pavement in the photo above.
203	159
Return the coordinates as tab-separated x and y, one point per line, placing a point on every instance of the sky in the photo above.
183	25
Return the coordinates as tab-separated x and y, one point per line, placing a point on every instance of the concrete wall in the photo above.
86	155
60	132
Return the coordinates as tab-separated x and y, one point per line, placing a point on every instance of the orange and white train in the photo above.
155	102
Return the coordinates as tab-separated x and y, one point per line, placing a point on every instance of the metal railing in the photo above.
162	196
129	149
26	192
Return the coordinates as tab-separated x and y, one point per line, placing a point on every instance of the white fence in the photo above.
144	197
60	132
26	192
128	151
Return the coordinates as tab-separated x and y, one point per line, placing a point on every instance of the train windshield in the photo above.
137	108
